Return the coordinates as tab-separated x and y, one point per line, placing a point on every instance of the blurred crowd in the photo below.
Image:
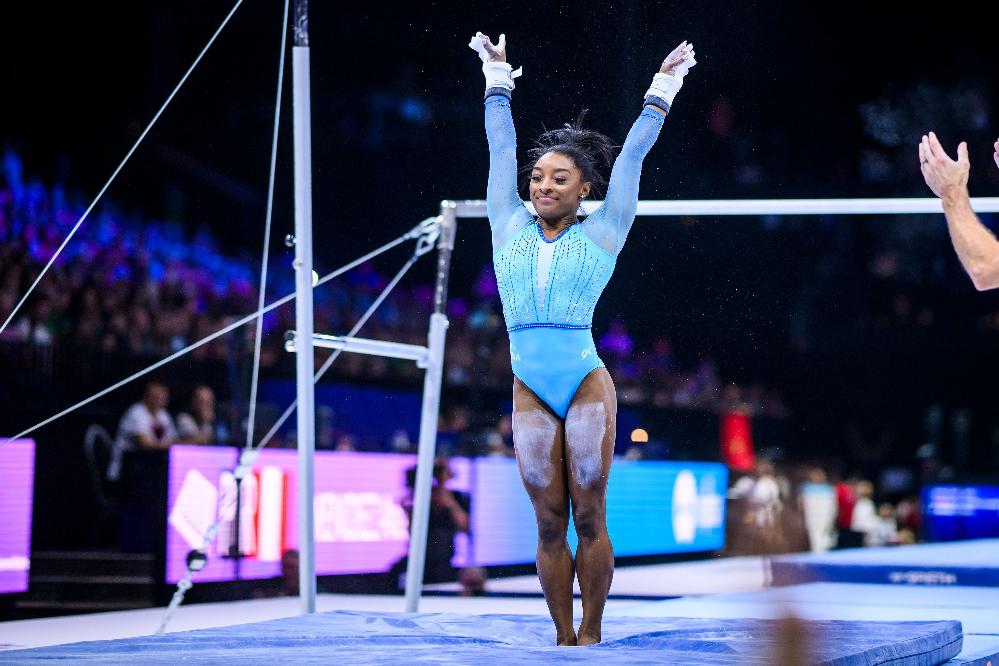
129	285
148	425
122	284
802	507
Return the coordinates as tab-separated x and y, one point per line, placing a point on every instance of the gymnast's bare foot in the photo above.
587	639
566	641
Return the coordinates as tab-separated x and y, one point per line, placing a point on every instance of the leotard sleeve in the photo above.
609	225
507	213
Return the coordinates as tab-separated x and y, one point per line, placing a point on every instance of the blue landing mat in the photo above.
973	563
977	609
448	638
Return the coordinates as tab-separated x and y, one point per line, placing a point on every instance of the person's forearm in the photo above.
148	442
658	109
460	519
976	246
458	514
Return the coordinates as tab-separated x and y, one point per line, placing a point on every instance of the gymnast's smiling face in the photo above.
557	187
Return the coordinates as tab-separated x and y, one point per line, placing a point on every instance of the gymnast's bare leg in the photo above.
562	462
590	429
539	438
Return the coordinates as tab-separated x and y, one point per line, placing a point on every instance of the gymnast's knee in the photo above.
589	522
552	526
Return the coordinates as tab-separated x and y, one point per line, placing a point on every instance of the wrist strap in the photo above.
664	87
500	74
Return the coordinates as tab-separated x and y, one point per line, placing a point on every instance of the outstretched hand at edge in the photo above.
943	175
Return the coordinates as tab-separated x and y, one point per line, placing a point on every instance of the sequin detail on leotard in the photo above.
567	295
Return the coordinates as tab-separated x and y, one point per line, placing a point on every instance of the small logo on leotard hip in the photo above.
586	352
514	356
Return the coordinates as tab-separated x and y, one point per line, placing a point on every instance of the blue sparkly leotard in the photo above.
549	288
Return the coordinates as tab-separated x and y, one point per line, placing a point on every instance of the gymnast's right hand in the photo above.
488	51
499	74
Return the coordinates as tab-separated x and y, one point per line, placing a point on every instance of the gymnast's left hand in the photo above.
946	177
683	52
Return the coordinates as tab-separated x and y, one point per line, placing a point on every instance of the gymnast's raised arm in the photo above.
610	224
505	210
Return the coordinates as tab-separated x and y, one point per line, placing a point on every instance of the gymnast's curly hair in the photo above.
590	151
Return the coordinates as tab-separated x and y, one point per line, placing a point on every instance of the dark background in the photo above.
773	109
81	80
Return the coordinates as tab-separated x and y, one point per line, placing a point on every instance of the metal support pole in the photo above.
431	409
305	359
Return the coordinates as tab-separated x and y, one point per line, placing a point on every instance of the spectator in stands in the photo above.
496	447
909	518
345	443
761	508
846	499
197	426
33	326
504	426
817	499
285	585
453	435
864	519
497	441
449	514
146	425
8	299
400	442
885	530
473	582
633	453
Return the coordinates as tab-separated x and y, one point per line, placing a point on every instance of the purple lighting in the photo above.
17	460
360	523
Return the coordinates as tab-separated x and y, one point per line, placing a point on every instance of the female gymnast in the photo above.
551	268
